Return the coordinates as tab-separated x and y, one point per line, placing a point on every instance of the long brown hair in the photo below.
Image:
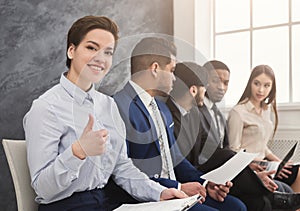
271	98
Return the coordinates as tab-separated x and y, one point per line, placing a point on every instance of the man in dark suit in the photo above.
149	126
206	148
211	134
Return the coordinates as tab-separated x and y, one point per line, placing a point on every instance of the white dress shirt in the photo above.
55	121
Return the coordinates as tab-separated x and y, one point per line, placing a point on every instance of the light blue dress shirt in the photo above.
55	121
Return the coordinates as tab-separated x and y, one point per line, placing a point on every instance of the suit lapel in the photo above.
174	110
225	141
209	122
176	115
213	130
140	105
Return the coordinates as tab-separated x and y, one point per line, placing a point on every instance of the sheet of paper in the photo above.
169	205
230	169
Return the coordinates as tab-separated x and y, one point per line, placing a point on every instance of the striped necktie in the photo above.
165	154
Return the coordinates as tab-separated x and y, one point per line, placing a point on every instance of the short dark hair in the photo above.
84	25
191	74
149	50
188	74
214	65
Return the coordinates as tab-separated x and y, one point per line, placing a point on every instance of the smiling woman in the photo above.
92	58
89	51
33	56
82	154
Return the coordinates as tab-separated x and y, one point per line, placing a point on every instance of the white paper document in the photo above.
230	169
169	205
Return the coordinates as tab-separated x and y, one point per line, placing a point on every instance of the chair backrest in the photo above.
15	151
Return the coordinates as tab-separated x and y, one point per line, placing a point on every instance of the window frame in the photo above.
251	29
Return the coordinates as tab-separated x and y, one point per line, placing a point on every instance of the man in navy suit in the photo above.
149	126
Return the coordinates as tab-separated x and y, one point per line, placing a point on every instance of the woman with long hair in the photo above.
252	123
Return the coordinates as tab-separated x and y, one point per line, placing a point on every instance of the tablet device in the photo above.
286	159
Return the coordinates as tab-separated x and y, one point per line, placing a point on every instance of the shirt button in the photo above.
156	176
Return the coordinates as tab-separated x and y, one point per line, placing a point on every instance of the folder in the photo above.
168	205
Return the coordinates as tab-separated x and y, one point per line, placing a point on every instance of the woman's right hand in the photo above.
91	143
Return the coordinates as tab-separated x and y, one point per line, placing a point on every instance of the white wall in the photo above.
289	122
191	18
184	22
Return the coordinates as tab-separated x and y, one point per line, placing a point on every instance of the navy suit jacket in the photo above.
142	142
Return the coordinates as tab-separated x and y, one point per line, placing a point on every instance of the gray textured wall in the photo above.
32	55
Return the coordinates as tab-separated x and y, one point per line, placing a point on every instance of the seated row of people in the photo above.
201	130
82	156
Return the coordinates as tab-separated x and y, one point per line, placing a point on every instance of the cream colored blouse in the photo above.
249	130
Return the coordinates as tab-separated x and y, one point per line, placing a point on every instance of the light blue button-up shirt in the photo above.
55	121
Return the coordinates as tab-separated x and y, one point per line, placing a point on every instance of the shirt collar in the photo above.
180	108
78	94
145	97
209	104
249	106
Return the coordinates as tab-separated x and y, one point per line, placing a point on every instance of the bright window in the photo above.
237	8
270	12
237	46
254	32
295	10
268	50
296	62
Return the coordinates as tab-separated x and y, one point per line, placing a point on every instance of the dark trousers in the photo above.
112	196
107	199
80	201
246	185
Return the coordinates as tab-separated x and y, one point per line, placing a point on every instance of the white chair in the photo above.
15	151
